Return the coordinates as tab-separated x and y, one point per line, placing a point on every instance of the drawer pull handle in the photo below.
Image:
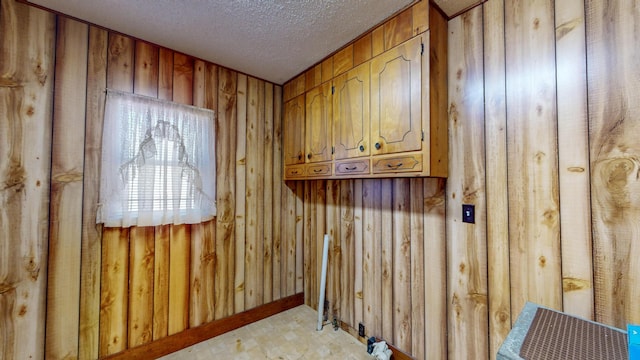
317	170
350	168
394	166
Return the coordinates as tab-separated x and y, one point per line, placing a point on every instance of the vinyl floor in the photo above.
288	335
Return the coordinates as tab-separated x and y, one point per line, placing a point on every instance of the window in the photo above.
158	162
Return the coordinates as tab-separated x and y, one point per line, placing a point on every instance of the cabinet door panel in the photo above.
294	131
396	118
351	113
318	123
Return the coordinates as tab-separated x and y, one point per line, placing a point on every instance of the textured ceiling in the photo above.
270	39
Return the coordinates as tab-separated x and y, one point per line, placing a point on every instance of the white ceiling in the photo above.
269	39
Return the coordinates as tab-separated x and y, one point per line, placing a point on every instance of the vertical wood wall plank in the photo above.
254	263
401	274
496	165
65	232
225	193
466	243
358	233
435	268
180	243
614	110
141	268
417	264
279	187
142	240
295	255
334	265
371	264
267	192
113	300
162	237
115	244
533	154
241	181
575	222
162	233
27	45
179	259
92	232
202	300
346	295
386	255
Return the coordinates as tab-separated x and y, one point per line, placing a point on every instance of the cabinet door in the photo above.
293	146
351	113
396	93
318	123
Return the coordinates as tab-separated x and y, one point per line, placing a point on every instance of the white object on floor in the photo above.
381	351
323	280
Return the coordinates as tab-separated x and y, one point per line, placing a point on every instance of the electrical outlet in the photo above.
468	214
361	329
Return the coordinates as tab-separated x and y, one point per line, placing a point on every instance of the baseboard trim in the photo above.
181	340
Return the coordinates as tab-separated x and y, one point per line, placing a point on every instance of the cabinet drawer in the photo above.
319	169
404	163
353	167
294	171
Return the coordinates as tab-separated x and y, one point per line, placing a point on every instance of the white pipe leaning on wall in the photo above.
323	280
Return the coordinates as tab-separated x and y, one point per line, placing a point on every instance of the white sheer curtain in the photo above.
158	162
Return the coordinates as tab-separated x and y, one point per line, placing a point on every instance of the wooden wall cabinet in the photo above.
382	114
293	146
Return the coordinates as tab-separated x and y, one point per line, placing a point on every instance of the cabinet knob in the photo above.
299	156
309	156
361	148
378	146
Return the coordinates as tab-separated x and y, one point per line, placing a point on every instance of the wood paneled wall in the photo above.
542	119
26	88
111	289
543	125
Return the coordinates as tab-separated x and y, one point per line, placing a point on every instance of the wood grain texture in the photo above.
401	274
115	241
435	268
573	159
225	193
162	269
141	270
253	260
279	187
203	236
27	44
179	275
466	243
142	240
496	164
267	194
415	252
65	229
241	183
386	258
161	281
114	290
180	243
92	232
612	58
533	155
